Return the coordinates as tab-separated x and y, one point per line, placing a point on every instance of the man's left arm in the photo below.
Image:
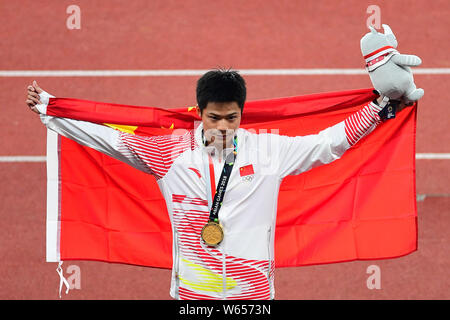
302	153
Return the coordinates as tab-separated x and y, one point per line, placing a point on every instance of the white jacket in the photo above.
242	265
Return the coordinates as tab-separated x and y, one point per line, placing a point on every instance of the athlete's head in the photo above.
220	97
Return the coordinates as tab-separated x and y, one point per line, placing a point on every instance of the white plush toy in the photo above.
389	70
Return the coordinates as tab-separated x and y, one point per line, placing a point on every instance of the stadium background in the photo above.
200	35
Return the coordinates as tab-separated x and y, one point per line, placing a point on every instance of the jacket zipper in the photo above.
224	272
224	275
269	260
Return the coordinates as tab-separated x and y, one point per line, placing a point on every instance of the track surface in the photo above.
117	35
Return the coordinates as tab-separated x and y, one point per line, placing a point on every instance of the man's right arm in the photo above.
99	137
151	154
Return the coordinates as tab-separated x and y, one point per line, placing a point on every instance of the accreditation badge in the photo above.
212	233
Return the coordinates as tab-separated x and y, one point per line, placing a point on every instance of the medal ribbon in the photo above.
223	182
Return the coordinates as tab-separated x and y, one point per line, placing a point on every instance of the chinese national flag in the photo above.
362	206
246	170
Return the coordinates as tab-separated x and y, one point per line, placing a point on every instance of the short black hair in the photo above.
221	85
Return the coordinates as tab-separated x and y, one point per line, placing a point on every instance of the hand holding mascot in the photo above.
389	70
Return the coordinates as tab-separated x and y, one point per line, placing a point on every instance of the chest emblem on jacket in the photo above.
247	173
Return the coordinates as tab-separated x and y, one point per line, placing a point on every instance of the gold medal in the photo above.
212	233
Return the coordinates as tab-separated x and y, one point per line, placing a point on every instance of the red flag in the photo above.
246	170
361	206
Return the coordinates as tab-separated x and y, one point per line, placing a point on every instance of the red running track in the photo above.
115	35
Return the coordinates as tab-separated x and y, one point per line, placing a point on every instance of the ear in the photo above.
390	35
387	29
372	29
199	112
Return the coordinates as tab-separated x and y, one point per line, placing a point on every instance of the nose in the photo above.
222	126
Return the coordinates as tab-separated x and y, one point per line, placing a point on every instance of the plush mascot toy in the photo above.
389	70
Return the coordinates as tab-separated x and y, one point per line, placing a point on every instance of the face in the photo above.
220	121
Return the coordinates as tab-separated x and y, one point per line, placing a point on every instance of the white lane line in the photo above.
194	72
419	156
433	156
23	158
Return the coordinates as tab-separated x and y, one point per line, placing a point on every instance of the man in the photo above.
223	222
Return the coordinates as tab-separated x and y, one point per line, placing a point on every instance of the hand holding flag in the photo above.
33	96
